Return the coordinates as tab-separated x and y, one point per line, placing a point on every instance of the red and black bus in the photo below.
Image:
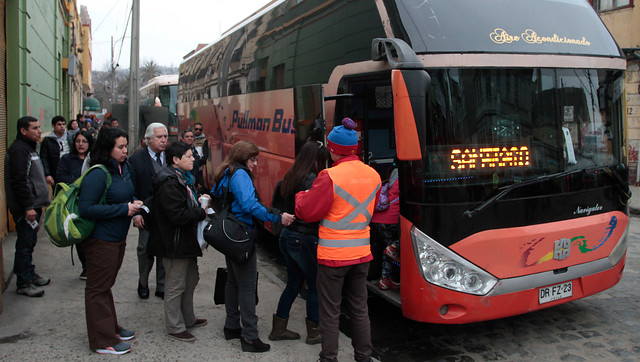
507	119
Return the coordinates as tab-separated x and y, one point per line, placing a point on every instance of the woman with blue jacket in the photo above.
236	174
104	249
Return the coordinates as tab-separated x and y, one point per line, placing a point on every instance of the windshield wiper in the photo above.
622	186
506	189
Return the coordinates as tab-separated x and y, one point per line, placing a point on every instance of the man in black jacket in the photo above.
27	194
146	162
188	137
55	145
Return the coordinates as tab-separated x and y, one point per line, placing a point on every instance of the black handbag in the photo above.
230	236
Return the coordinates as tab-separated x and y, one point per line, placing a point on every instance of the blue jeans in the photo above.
25	243
301	257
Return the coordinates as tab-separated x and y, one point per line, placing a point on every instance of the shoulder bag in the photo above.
227	234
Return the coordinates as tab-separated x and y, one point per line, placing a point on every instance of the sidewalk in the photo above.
53	327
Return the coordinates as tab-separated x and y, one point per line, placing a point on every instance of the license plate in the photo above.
555	292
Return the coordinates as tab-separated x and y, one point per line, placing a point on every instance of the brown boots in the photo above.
280	331
313	333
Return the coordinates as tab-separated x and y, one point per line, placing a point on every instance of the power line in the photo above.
123	35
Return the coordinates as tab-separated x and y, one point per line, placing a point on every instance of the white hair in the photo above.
148	134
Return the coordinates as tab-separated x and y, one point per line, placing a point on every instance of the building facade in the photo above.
622	17
43	75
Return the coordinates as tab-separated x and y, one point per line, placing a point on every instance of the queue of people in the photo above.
325	238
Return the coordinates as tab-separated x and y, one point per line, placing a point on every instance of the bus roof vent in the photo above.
397	53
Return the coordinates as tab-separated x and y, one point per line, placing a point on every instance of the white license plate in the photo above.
555	292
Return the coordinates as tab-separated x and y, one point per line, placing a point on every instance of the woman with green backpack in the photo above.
105	247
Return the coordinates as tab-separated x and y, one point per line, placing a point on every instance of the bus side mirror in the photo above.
410	88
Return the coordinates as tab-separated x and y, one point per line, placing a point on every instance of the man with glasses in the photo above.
55	145
201	145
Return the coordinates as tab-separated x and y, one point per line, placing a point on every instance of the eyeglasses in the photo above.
197	129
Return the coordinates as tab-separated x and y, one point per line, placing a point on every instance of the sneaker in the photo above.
120	348
126	334
183	336
392	252
40	281
199	323
83	275
254	345
387	283
30	290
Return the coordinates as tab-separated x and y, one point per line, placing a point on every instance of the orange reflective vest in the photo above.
344	230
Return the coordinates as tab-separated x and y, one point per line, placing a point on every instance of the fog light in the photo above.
444	309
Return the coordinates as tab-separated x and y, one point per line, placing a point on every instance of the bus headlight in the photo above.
443	267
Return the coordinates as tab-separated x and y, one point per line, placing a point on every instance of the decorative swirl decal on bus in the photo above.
500	36
531	255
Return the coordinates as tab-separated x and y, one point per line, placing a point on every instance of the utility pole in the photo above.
113	78
134	113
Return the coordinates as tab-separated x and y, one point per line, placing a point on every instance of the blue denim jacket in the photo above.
245	203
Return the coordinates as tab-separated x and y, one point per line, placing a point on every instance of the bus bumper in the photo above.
425	302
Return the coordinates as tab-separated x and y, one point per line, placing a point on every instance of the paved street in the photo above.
603	327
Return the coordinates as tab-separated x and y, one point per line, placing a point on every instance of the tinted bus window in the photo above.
502	26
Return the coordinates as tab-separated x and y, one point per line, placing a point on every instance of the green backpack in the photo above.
62	221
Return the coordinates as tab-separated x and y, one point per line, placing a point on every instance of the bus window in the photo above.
309	115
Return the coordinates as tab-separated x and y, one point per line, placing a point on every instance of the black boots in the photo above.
232	333
253	345
280	331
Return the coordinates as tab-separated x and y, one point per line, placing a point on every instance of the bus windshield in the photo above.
494	26
494	127
169	97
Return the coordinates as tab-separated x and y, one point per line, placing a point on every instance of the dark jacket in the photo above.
69	168
196	171
143	173
25	184
174	218
50	153
112	221
290	206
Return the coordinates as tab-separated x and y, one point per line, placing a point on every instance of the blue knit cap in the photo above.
343	140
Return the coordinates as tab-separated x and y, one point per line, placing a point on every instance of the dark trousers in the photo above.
300	255
25	244
81	257
332	281
145	263
240	297
103	260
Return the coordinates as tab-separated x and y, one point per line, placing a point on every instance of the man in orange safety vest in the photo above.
342	199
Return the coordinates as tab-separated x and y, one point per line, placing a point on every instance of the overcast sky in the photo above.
169	29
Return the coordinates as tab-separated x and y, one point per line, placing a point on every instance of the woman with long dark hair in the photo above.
104	248
236	174
70	168
298	244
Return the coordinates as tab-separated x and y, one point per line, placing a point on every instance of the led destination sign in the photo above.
496	157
